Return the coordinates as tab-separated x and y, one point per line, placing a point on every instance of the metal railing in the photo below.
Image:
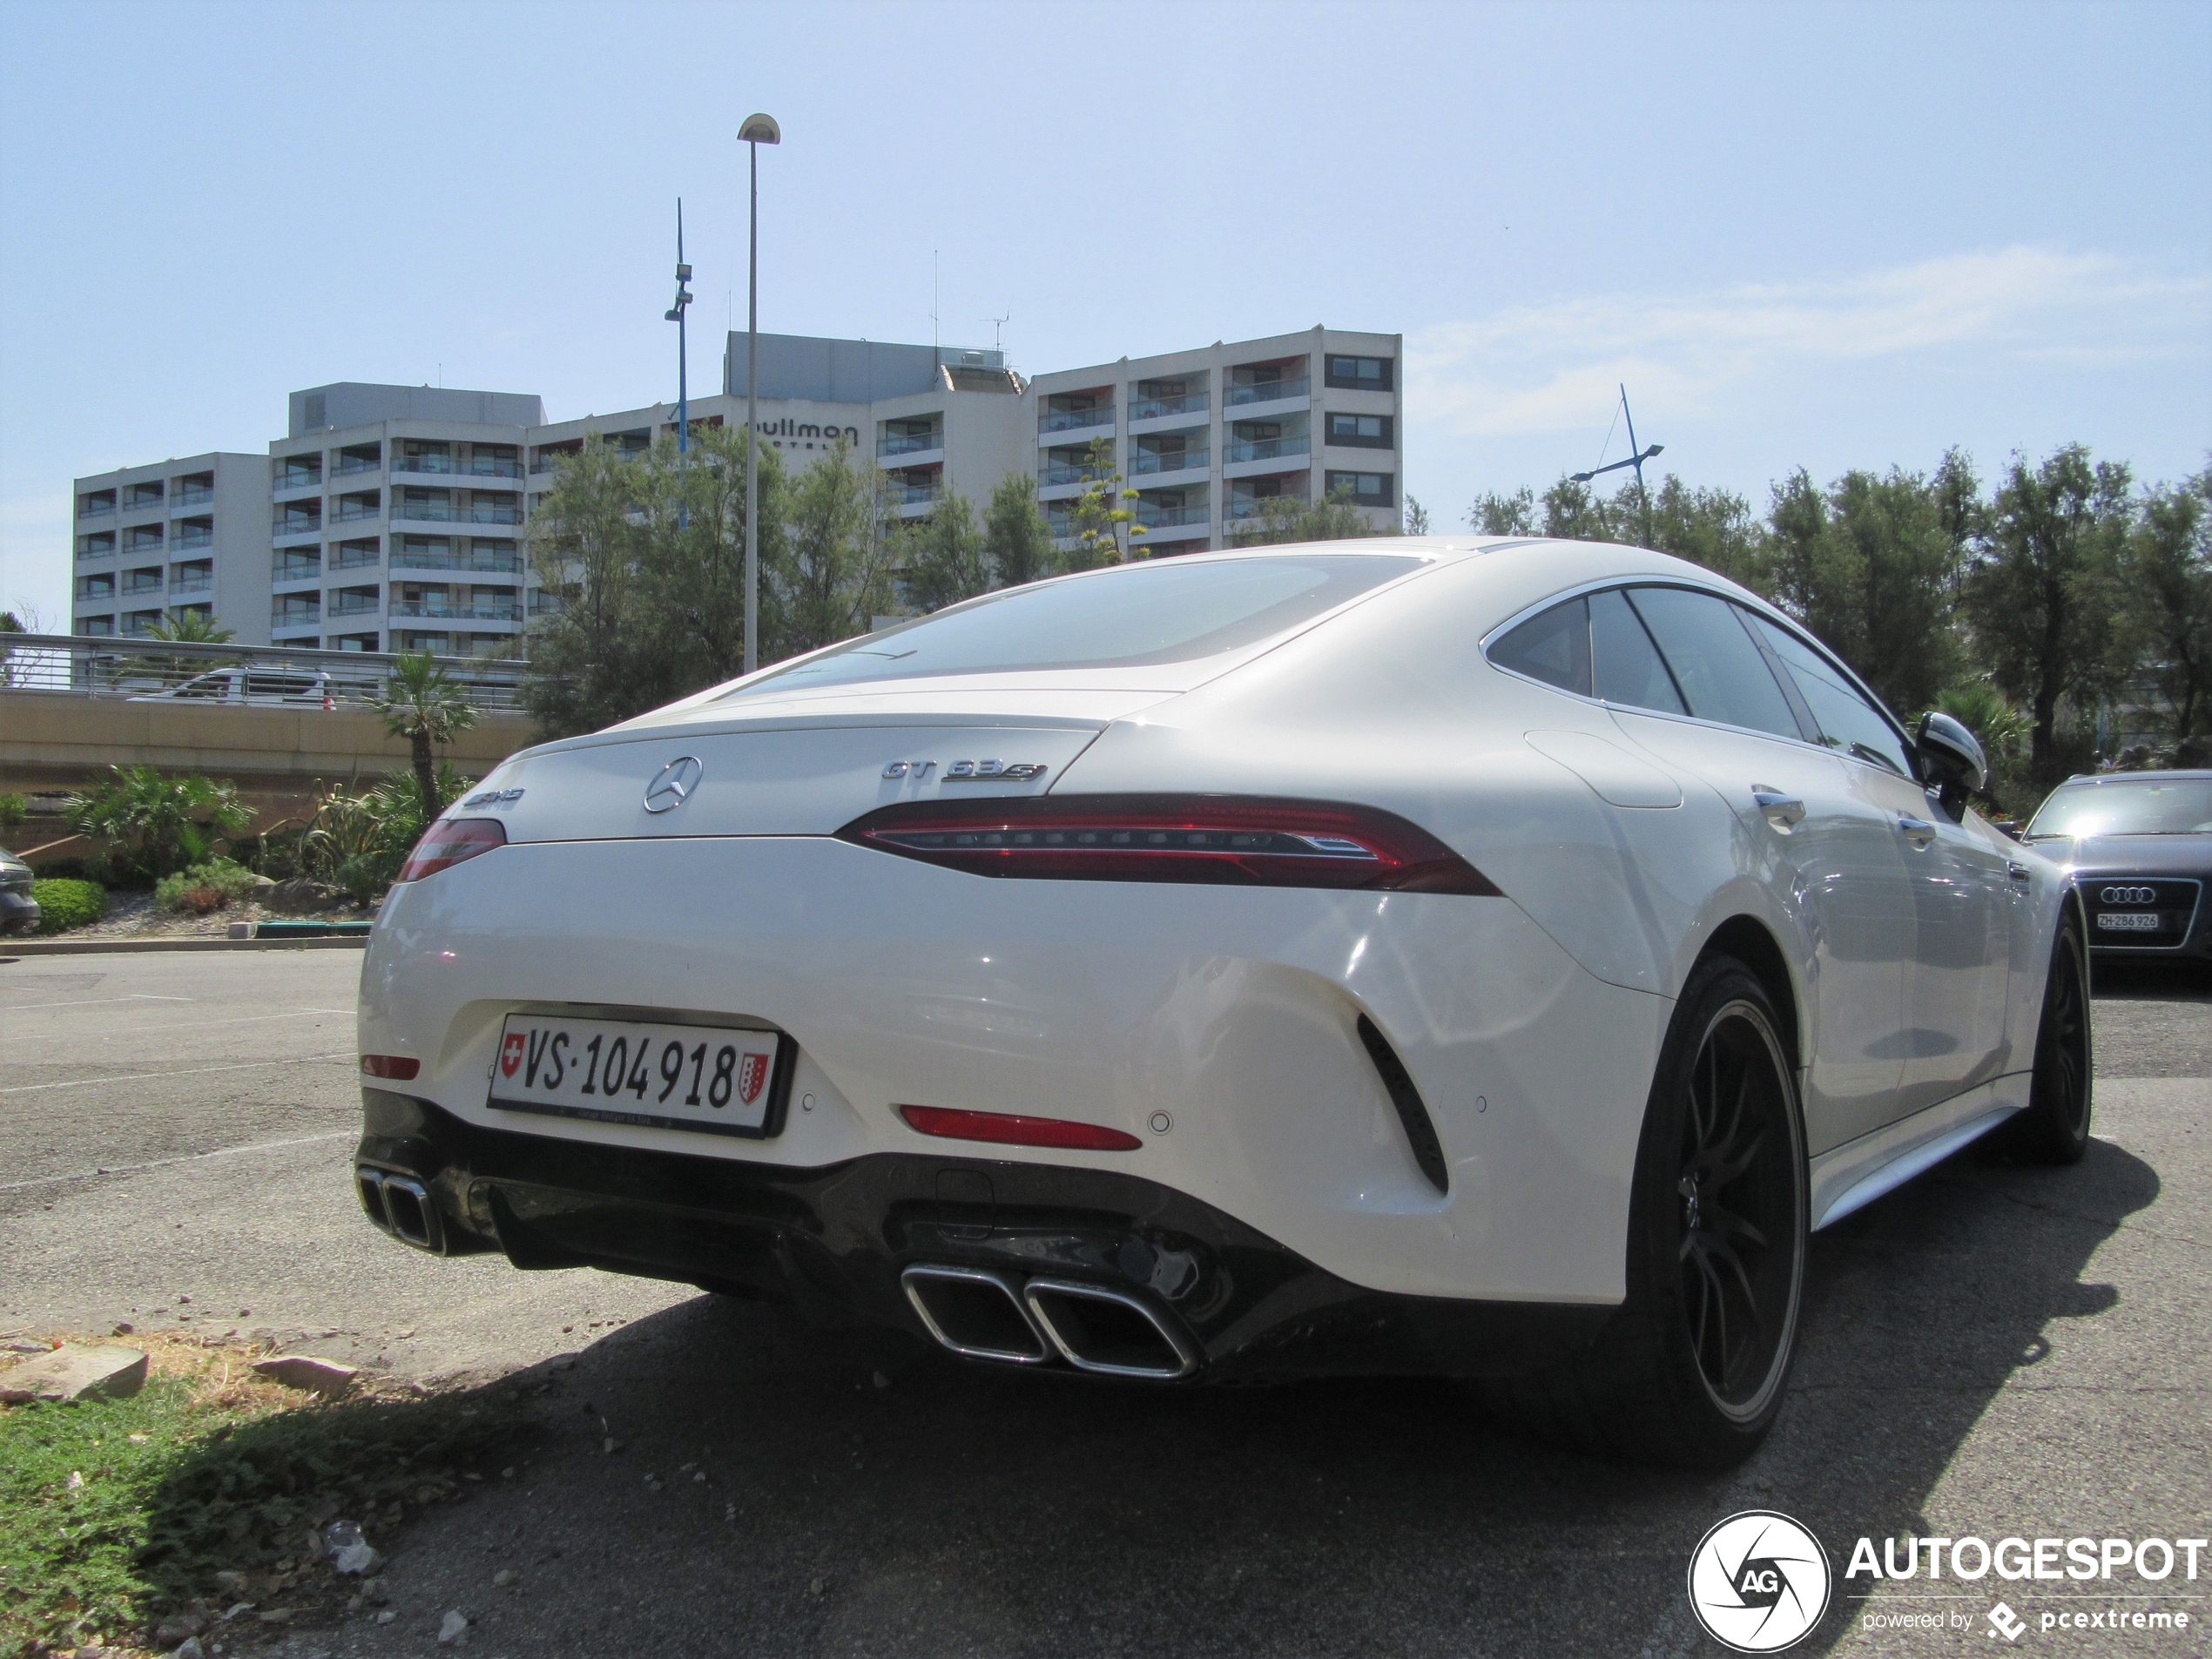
1074	419
107	552
353	605
1151	409
505	565
192	584
144	504
345	559
194	538
350	464
1268	449
195	496
295	481
449	467
1161	518
909	443
1148	461
296	615
149	545
1268	391
355	513
445	610
87	508
914	495
297	526
432	512
297	570
1048	476
100	665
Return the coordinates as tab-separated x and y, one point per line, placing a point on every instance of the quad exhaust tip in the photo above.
401	1205
982	1315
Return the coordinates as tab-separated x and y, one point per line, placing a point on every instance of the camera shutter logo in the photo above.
672	785
1758	1582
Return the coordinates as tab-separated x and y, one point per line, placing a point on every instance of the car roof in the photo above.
2100	778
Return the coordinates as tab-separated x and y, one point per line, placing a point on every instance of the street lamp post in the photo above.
757	130
676	314
1635	459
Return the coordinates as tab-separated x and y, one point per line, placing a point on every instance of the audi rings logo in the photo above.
1758	1582
673	784
2127	895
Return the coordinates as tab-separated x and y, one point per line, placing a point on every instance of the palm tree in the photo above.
421	703
183	628
161	823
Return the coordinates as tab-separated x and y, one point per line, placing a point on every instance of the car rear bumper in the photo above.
18	911
833	1241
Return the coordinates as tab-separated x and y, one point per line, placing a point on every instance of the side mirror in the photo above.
1952	759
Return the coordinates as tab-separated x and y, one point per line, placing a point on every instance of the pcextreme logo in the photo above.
1758	1582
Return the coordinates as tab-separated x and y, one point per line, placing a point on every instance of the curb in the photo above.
15	947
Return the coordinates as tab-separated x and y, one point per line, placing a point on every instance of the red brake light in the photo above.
1236	840
398	1067
1012	1128
449	841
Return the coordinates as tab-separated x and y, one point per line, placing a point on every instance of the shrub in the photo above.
13	810
160	823
205	887
66	870
64	904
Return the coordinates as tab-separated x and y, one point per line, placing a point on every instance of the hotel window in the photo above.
1368	489
1360	373
1360	431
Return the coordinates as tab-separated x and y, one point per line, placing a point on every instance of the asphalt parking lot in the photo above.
1993	1350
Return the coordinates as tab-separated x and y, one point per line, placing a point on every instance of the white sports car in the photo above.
1472	957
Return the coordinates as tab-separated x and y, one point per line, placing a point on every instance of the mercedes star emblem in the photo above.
672	785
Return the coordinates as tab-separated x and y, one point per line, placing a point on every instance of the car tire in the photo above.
1717	1226
2054	1128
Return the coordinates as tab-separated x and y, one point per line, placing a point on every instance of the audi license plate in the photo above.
2131	922
723	1080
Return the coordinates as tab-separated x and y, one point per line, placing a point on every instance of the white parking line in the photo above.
178	1025
194	1071
190	1157
91	1002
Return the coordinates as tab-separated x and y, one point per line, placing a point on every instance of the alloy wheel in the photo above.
1740	1197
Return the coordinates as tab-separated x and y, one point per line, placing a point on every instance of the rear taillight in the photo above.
450	841
398	1067
1236	840
1014	1129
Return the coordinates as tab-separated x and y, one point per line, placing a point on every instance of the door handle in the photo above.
1917	830
2015	869
1784	811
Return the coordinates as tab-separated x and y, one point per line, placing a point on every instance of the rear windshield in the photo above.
2174	806
1143	614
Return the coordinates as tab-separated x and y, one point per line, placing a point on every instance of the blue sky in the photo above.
1824	236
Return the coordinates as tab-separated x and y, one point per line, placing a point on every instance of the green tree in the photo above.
160	823
1496	515
1103	527
2168	584
192	628
689	582
1416	520
1292	518
2041	590
1017	539
590	662
420	703
945	558
844	538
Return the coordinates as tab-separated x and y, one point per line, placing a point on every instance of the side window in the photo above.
1847	721
1722	674
1553	646
1622	660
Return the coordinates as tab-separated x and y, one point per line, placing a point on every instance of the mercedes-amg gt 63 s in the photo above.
1478	958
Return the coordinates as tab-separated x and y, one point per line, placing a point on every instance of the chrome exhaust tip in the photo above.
1110	1333
401	1206
974	1314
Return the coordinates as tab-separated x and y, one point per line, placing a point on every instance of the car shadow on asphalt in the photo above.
778	1490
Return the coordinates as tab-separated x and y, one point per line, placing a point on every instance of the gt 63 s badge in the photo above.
969	772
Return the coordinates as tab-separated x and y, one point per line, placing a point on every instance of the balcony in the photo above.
1164	518
101	547
908	443
287	529
136	586
296	615
196	496
139	624
147	544
1052	419
1242	392
491	467
429	464
1243	507
447	610
915	494
191	538
354	512
349	464
202	583
1148	461
1267	448
1067	473
144	503
349	556
95	590
436	512
93	506
492	564
1153	409
355	604
287	570
549	459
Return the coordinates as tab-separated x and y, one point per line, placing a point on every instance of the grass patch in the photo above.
205	1489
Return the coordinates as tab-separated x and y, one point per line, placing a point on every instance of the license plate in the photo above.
719	1080
2130	921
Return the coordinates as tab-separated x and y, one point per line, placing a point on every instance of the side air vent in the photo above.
1420	1134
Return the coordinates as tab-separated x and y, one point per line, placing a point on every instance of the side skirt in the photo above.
1852	1176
